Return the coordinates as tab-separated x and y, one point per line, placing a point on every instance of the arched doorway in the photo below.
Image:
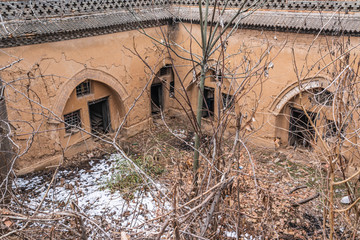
299	111
161	89
92	106
218	96
91	99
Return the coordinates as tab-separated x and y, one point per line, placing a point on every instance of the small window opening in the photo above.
332	130
83	88
216	75
228	101
301	133
72	121
208	102
165	70
156	98
219	76
323	97
99	116
172	88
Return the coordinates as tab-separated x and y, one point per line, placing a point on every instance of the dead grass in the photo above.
265	211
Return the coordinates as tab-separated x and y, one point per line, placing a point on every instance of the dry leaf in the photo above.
4	211
8	223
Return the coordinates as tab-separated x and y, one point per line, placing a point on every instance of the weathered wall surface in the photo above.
292	57
40	89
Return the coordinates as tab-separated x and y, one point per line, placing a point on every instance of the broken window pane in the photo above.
72	121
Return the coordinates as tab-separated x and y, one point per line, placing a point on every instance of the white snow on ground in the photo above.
245	236
88	189
180	134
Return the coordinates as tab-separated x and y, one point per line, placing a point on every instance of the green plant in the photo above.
125	178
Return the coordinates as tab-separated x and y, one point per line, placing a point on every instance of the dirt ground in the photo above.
281	199
271	207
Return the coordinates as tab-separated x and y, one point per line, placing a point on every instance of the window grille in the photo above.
83	88
72	121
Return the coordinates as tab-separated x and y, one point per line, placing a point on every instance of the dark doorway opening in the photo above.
99	116
156	98
208	102
301	133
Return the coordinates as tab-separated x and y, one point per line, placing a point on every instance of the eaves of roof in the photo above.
308	22
24	32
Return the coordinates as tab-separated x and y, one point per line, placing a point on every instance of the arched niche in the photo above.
162	89
68	87
294	89
92	100
216	86
292	125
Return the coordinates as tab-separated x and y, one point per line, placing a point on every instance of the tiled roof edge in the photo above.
42	9
307	22
17	33
39	30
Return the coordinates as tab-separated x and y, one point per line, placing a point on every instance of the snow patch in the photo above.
87	188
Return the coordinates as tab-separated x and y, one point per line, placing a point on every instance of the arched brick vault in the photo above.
294	89
97	75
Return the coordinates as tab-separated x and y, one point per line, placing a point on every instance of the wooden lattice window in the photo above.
83	88
72	121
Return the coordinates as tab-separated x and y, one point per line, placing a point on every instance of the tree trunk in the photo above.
198	119
5	151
